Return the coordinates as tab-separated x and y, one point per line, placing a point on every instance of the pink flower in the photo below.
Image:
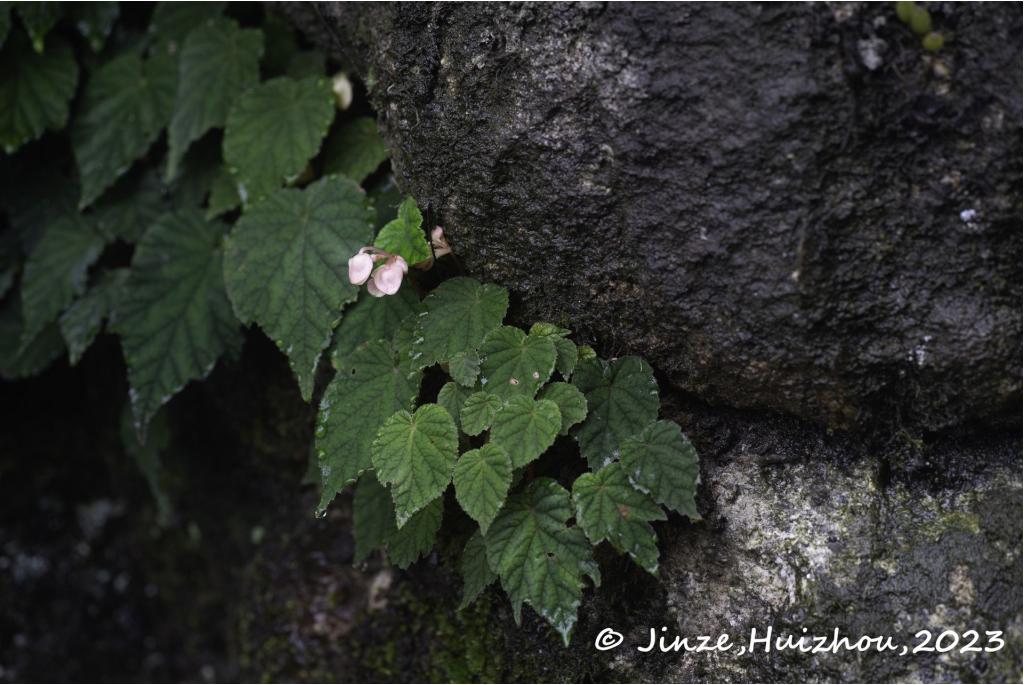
388	278
359	267
371	288
437	239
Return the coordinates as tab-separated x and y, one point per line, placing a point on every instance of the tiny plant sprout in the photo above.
933	42
920	21
904	10
342	88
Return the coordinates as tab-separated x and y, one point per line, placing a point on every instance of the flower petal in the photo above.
371	288
359	268
388	278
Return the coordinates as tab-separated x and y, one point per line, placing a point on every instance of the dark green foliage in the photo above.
202	199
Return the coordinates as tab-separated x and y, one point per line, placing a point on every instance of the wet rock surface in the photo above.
801	529
792	207
799	533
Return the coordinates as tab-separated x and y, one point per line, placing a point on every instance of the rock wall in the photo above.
806	222
783	206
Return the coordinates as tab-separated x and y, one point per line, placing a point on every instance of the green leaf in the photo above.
81	322
476	572
223	194
35	91
572	405
565	350
622	399
36	356
404	235
567	356
39	18
526	428
172	21
125	105
478	412
366	391
586	352
549	330
198	170
373	516
416	537
131	206
452	396
464	368
218	63
538	557
415	455
459	313
609	508
56	271
355	149
95	21
404	336
286	266
515	363
661	461
482	478
372	318
174	318
273	130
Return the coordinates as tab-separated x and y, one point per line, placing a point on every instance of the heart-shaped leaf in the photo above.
452	396
609	508
515	363
404	236
39	354
478	412
526	428
372	318
564	348
56	271
458	314
572	405
661	461
125	105
416	537
415	454
482	478
174	317
371	386
354	150
82	321
218	62
272	132
476	572
286	266
35	90
464	368
622	400
539	559
373	516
